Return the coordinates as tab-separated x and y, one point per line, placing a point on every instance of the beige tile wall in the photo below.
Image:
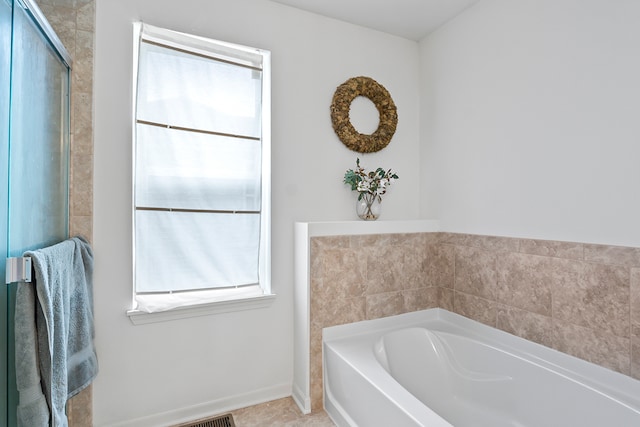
581	299
366	277
74	22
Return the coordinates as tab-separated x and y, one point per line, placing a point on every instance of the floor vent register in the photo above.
218	421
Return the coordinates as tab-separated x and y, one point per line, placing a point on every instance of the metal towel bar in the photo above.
18	270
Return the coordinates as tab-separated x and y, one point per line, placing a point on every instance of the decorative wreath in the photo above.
341	104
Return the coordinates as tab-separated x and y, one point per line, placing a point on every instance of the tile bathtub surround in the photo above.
581	299
364	277
576	298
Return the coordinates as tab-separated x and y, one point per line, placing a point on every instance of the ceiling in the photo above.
411	19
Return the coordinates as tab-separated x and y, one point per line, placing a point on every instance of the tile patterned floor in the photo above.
279	413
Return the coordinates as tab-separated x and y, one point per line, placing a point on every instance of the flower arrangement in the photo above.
370	186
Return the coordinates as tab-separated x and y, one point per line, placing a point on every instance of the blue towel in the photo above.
33	409
64	324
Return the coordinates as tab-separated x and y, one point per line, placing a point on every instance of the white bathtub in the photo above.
436	368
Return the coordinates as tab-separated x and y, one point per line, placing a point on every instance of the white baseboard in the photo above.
302	399
206	409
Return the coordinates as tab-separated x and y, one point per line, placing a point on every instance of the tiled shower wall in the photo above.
581	299
74	23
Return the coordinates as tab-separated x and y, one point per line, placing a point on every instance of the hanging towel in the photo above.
33	409
64	324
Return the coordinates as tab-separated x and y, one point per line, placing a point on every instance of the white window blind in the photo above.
201	164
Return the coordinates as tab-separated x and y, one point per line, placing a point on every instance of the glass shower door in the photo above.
38	153
5	72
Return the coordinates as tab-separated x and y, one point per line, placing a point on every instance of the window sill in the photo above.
139	317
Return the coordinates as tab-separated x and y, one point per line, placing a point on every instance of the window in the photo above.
201	171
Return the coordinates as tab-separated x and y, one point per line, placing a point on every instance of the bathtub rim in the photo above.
414	410
614	385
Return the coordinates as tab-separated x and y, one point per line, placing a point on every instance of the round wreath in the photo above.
341	104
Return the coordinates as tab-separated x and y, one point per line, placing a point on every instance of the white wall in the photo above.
243	357
530	122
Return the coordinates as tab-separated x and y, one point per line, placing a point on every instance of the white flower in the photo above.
373	183
363	186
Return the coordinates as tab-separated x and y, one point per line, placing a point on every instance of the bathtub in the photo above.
436	368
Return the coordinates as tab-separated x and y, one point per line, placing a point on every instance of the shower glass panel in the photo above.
39	145
37	156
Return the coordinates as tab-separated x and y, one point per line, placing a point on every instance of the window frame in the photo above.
225	299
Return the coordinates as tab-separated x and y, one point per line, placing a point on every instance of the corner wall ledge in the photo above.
303	231
345	228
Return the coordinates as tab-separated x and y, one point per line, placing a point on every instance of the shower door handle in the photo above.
18	269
